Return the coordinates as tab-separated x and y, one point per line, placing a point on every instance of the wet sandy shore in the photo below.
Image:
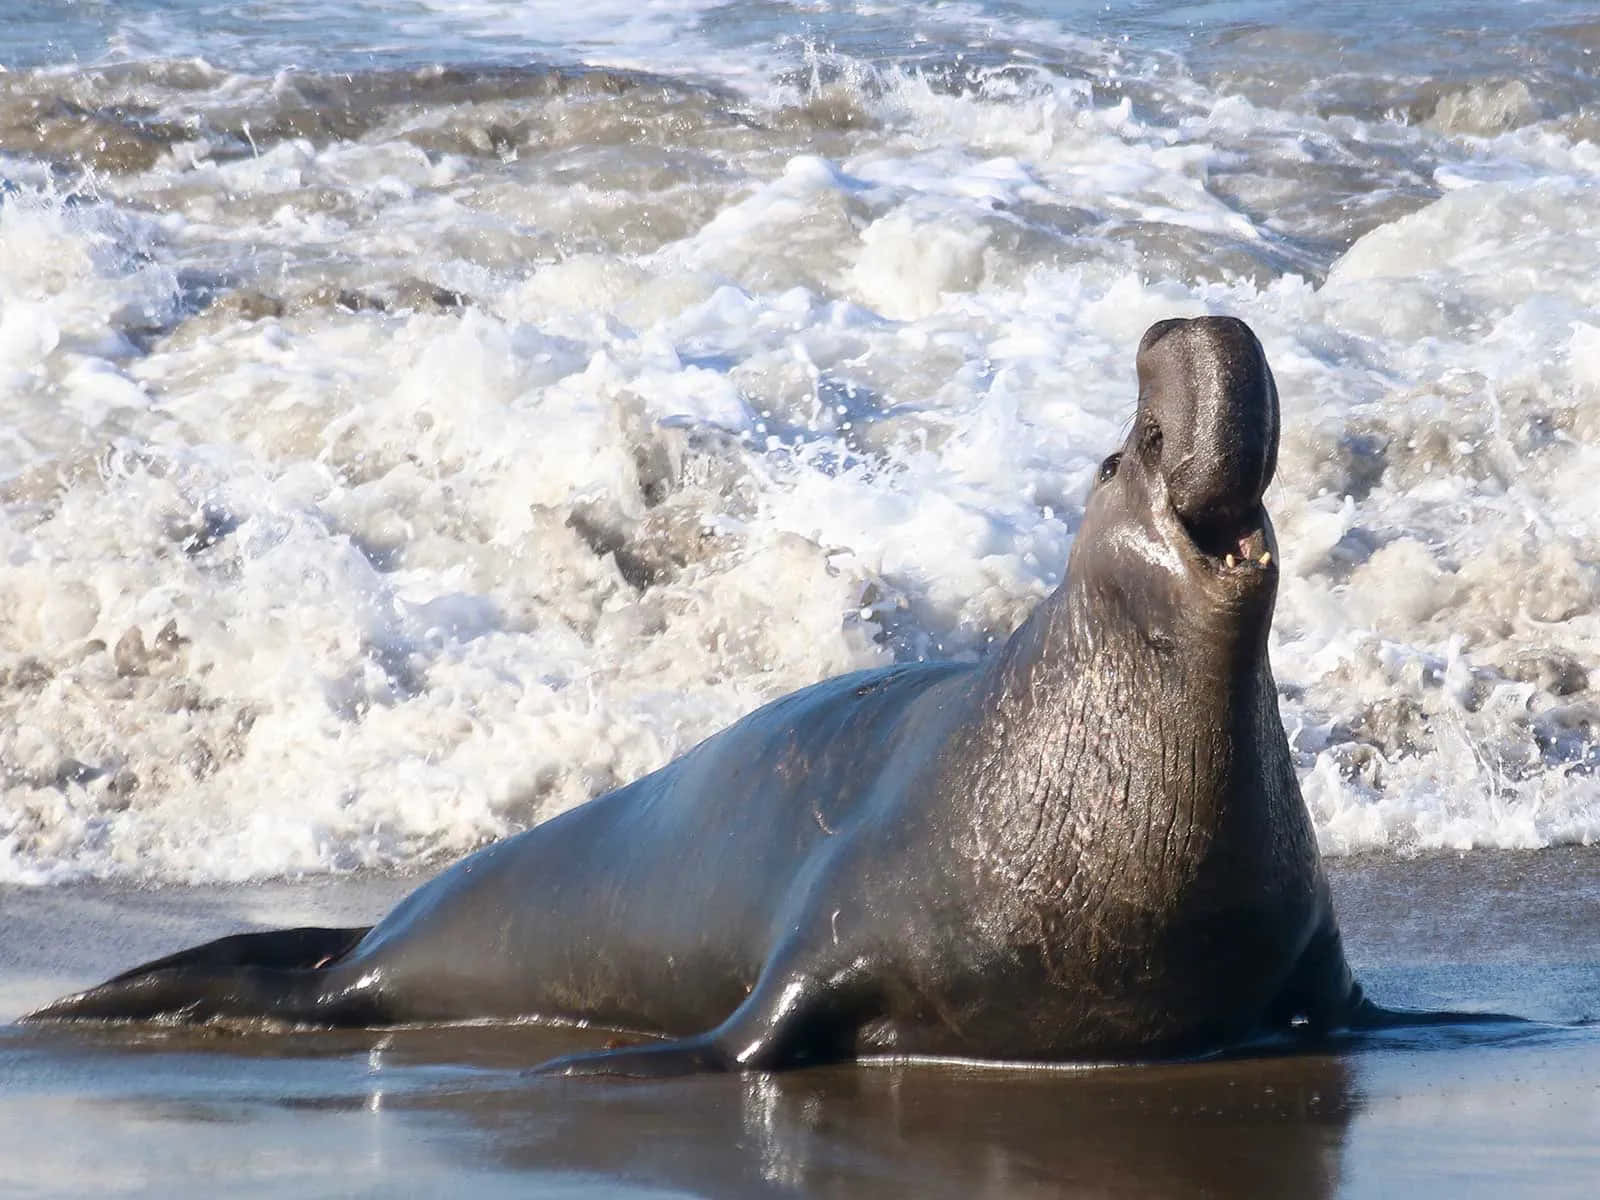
1485	1110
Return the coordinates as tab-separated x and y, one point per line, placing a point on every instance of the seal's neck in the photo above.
1111	759
1082	640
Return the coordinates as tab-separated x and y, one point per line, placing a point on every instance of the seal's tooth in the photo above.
1230	560
1266	558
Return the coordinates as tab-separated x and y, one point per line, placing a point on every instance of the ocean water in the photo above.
419	416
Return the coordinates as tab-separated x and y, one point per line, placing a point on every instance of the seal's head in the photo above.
1175	536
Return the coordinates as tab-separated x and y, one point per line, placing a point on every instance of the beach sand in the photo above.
1481	1110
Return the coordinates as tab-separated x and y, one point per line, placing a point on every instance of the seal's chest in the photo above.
1149	971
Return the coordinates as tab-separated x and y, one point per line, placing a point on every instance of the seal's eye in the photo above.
1109	467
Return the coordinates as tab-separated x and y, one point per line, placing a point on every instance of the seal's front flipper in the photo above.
657	1060
284	974
1368	1015
793	1018
1322	995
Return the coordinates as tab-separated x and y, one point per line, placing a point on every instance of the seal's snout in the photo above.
1209	407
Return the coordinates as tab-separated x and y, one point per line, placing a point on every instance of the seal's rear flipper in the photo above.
307	946
282	974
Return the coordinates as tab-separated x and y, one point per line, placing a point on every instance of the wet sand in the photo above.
1479	1110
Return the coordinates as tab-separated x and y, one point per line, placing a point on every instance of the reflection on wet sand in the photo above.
127	1110
1272	1126
453	1108
1258	1127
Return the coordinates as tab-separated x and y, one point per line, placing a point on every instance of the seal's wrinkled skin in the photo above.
1089	846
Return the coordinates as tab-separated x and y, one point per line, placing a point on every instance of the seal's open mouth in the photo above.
1235	543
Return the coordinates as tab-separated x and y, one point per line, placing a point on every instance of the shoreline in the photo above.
438	1110
138	1111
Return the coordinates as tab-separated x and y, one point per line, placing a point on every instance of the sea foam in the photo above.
389	464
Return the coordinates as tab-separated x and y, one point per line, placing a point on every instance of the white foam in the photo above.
304	586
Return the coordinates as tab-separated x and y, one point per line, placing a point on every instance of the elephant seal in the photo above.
1089	845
